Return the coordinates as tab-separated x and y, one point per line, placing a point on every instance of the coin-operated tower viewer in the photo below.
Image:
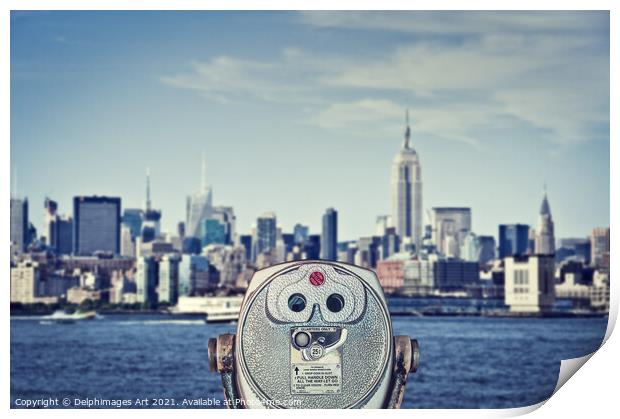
314	334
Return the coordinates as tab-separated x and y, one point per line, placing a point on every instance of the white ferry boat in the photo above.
59	316
216	309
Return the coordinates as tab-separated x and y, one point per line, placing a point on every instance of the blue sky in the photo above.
297	112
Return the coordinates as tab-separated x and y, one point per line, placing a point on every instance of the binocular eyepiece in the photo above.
314	334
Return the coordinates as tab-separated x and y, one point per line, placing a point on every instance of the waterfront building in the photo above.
97	222
545	238
449	227
103	265
329	236
19	224
529	283
599	292
391	275
146	280
25	278
406	186
600	247
513	239
419	276
199	205
168	288
571	289
454	275
266	233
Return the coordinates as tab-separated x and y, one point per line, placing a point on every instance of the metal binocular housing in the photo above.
314	334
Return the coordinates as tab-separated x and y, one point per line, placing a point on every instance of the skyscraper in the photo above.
329	238
97	224
150	229
49	221
266	232
57	229
19	223
545	239
199	205
513	239
407	192
63	244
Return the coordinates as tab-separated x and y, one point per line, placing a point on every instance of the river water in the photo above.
466	362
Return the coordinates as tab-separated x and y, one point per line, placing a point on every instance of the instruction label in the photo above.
316	359
316	378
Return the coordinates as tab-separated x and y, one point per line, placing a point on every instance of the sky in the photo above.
300	111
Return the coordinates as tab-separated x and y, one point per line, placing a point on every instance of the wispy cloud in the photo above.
547	71
460	23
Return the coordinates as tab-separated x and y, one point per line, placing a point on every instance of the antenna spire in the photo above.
407	143
148	189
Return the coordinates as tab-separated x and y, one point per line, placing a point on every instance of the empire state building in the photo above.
407	192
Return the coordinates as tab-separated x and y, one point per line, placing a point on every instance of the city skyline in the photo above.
92	109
